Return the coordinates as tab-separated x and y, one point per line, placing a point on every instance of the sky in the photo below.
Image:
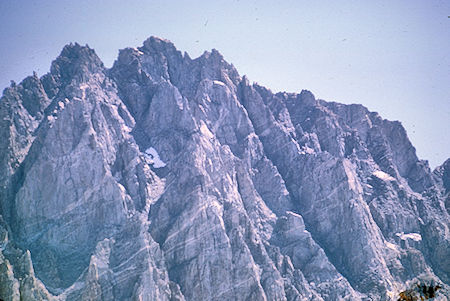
391	56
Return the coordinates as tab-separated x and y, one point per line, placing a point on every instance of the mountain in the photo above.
171	178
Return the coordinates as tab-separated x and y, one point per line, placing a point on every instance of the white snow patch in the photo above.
216	205
125	128
413	236
217	82
138	51
152	157
83	90
369	122
122	189
205	131
309	150
391	245
294	214
382	175
229	179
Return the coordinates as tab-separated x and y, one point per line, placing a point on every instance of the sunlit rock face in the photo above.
171	178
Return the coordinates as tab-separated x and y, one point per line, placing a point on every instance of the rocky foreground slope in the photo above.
171	178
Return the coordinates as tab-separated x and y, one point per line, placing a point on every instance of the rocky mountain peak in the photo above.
443	174
157	44
75	62
446	174
171	178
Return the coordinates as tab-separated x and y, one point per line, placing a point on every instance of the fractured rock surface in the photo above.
171	178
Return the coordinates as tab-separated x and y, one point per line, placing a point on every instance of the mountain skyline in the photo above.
390	56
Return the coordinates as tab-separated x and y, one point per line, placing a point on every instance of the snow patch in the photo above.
413	236
294	214
152	157
391	245
125	128
217	82
205	131
307	150
83	90
382	175
138	51
122	189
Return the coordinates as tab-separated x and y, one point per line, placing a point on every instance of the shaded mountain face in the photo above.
171	178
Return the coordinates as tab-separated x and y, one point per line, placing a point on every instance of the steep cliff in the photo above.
171	178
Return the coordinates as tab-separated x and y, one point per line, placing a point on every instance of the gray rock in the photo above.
171	178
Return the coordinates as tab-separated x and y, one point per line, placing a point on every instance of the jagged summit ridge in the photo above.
255	196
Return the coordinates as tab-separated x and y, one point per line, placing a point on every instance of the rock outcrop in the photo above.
171	178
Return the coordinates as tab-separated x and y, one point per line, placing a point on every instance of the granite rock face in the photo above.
171	178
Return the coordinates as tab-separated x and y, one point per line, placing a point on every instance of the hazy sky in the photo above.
391	56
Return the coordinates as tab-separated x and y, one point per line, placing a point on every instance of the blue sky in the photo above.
391	56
